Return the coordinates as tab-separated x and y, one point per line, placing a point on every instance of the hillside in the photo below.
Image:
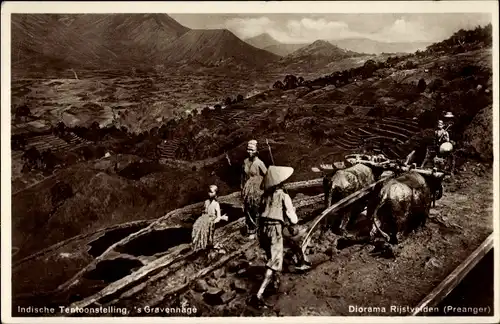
317	55
365	45
262	41
215	47
96	41
284	49
268	43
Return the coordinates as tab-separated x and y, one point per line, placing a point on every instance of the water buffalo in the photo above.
402	204
345	182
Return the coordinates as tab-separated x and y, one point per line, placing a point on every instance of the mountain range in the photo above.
358	45
366	45
123	41
268	43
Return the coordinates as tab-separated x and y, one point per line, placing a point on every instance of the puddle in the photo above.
97	247
113	270
157	242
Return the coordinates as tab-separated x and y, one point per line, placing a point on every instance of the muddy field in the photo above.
134	101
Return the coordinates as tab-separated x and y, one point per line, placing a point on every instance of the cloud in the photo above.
402	30
304	30
389	28
249	27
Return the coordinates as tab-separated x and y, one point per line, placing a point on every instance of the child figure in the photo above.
204	227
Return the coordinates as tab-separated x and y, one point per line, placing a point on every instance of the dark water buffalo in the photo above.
345	182
402	204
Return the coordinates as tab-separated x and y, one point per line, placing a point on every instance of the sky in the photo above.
306	28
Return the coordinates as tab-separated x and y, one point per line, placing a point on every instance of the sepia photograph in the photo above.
247	160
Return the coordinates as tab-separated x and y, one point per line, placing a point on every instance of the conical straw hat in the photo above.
252	145
449	114
276	175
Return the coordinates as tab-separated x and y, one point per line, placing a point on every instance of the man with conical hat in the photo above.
277	210
253	172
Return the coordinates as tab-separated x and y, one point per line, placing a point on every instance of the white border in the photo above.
230	7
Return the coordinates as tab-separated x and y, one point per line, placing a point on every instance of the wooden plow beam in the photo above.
179	254
99	233
455	277
393	166
160	224
347	201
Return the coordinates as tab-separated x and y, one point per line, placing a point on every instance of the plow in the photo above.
161	277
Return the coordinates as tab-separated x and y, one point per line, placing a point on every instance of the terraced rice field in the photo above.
168	148
382	136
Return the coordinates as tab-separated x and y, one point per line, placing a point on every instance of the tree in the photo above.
421	85
369	68
206	111
32	158
278	85
239	98
19	143
49	161
228	101
23	111
410	65
218	108
60	129
290	82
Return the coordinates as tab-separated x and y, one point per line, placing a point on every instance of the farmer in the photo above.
275	204
441	134
203	228
252	174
